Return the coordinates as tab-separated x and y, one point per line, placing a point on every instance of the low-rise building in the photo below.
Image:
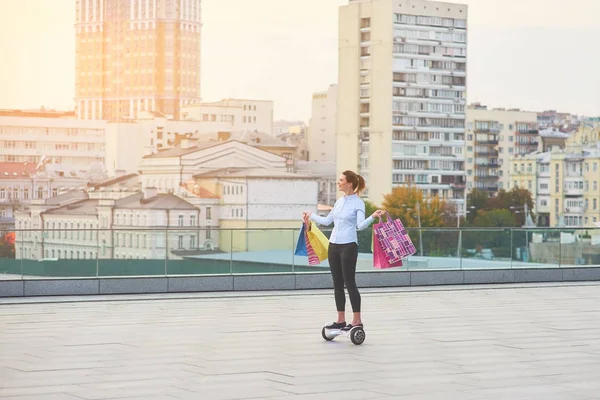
565	183
248	189
112	220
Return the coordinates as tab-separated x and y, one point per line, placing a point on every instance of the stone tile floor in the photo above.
467	343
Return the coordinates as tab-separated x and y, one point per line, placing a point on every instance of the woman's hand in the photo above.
306	217
378	213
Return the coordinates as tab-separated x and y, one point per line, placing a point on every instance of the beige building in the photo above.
134	56
401	95
564	182
232	115
321	142
493	137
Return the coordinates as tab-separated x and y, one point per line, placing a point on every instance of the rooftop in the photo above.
251	173
489	342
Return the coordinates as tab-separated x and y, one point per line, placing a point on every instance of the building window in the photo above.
180	220
180	242
208	213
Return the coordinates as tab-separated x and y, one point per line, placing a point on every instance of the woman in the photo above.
348	216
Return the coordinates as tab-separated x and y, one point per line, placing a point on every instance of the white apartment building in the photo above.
401	95
493	138
321	141
232	115
66	141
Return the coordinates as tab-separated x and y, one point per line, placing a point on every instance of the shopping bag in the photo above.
301	244
313	259
379	258
394	239
318	241
304	247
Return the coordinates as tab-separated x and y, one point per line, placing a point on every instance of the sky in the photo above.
529	54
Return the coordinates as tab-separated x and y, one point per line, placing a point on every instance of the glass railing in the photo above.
194	252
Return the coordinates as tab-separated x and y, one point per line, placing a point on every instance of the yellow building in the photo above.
564	182
494	136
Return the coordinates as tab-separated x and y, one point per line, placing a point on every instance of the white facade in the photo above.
325	172
402	91
128	142
232	115
88	225
242	184
321	141
59	140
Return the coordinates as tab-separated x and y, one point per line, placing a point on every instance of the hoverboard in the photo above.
356	334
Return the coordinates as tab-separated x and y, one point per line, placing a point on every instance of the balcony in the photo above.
486	178
487	130
487	142
458	186
487	165
528	132
575	210
489	153
488	188
573	192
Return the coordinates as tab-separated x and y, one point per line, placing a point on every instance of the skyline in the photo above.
247	54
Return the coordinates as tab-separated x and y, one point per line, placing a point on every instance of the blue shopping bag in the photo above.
301	245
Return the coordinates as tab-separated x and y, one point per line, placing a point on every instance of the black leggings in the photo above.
342	262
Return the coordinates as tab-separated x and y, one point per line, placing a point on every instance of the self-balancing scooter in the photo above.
356	334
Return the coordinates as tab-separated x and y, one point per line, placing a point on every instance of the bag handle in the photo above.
382	219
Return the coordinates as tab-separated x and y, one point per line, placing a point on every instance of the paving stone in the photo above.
521	342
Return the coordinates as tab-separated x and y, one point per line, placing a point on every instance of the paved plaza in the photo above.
467	343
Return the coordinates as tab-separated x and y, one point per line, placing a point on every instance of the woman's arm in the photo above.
361	222
325	221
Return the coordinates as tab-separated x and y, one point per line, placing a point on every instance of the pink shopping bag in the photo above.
380	260
393	239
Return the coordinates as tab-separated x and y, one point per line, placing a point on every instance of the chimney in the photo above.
149	192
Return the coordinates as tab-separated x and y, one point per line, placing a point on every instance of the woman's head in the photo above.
351	182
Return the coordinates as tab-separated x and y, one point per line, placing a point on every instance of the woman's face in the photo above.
343	184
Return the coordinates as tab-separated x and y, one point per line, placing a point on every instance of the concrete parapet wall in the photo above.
285	281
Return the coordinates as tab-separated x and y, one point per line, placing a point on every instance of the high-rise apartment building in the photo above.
136	55
402	91
321	133
493	137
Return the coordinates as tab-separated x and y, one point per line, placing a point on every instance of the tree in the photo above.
434	212
7	245
512	201
495	218
402	203
370	208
